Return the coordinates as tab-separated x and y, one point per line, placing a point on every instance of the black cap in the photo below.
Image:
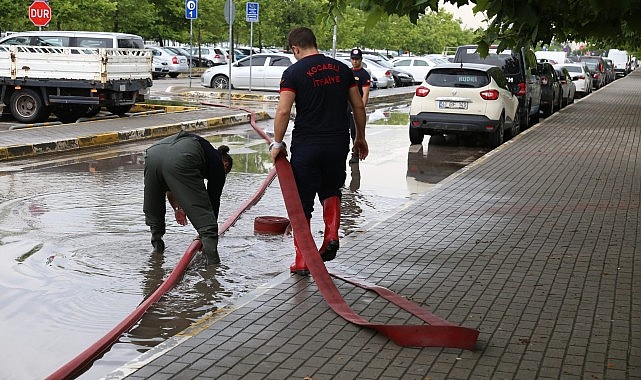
356	53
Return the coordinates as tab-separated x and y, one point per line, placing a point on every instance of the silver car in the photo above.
266	71
381	76
177	64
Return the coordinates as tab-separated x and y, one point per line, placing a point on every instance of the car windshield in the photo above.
457	77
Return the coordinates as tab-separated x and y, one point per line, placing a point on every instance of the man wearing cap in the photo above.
363	81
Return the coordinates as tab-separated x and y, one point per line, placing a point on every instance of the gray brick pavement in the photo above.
536	245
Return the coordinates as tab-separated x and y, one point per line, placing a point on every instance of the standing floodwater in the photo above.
75	254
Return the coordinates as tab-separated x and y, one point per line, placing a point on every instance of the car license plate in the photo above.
452	104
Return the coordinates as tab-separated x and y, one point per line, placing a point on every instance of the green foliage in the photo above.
414	25
517	23
164	20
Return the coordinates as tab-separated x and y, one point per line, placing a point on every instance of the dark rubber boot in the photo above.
157	242
159	247
299	267
332	218
210	250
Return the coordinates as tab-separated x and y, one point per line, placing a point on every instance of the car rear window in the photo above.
591	62
505	60
573	69
457	77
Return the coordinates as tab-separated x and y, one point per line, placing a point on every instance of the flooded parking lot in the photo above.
75	249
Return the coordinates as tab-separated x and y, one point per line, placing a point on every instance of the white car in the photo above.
418	66
464	99
266	71
210	55
177	64
581	77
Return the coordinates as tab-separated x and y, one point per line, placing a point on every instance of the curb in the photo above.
113	138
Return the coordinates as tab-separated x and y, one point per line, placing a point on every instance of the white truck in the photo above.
71	82
621	61
554	57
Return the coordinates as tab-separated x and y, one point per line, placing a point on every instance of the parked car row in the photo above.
168	60
267	68
476	96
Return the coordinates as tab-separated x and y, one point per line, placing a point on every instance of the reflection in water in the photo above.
198	291
355	182
75	260
439	161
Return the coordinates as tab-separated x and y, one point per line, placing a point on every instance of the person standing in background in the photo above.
363	81
321	88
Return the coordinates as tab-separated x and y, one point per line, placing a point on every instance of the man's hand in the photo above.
181	217
361	147
276	149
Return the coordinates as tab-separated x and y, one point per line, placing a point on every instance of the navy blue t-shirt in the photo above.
321	85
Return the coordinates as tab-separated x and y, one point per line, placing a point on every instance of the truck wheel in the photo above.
119	110
27	106
93	111
71	113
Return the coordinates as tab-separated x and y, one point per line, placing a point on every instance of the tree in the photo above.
518	23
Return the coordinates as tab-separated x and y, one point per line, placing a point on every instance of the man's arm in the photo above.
281	121
365	95
179	213
360	119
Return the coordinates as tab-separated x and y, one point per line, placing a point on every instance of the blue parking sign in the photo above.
251	12
191	9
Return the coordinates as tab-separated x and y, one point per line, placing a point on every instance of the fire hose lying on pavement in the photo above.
437	332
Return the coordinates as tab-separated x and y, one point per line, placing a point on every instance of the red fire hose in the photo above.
437	332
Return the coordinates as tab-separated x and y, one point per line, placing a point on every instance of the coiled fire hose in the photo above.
437	332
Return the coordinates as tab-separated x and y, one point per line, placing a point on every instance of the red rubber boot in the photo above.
332	218
299	267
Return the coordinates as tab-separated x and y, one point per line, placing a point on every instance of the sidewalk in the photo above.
537	245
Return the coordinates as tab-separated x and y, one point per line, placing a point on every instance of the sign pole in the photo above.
191	12
231	21
191	48
251	16
230	13
251	51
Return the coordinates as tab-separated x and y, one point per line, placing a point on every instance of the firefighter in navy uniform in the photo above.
176	167
321	88
363	81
